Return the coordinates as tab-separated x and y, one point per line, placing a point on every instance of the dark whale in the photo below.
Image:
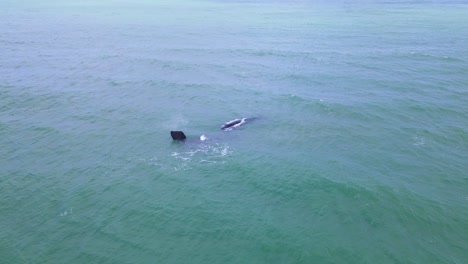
233	123
178	135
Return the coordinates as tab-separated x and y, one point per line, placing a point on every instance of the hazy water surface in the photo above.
358	153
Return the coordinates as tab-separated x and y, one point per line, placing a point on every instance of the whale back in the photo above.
233	123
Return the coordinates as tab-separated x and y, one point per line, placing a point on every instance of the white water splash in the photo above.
204	153
66	212
419	141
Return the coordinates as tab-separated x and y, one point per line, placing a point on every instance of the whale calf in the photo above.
233	123
228	126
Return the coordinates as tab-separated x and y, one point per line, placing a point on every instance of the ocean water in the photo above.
358	152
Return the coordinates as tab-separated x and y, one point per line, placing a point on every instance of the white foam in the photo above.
64	213
214	153
203	138
418	141
224	151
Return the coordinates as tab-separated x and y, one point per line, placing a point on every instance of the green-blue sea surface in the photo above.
358	152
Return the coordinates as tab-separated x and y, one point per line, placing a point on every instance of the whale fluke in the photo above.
178	135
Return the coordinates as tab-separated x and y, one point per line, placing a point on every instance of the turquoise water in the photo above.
358	153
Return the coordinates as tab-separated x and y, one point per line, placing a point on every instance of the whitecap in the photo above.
418	141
